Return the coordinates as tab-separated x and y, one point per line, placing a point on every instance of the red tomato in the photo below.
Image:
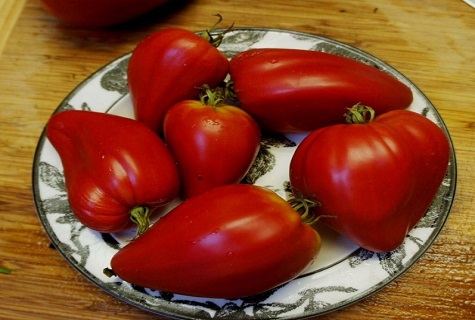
168	67
212	142
377	179
98	13
116	169
288	90
233	241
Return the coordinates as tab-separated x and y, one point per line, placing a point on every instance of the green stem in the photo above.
5	270
229	92
304	207
359	114
211	97
217	39
140	215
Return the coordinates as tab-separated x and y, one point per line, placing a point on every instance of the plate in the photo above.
342	274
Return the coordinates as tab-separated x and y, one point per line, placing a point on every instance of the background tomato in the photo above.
212	144
231	242
98	13
376	180
289	90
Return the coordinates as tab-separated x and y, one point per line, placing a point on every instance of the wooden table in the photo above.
42	60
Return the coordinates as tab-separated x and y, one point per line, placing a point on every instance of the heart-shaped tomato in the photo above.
375	180
213	143
117	171
168	67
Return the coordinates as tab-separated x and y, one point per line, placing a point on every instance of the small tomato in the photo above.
213	143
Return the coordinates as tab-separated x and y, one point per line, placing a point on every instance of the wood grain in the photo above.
42	60
9	12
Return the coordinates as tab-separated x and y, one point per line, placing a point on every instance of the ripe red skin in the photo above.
213	146
376	180
289	90
231	242
111	165
168	67
98	13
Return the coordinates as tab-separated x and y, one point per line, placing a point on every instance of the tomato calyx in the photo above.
230	93
140	215
303	206
215	40
359	114
211	97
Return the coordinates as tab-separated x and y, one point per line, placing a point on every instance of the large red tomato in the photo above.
376	180
116	169
231	242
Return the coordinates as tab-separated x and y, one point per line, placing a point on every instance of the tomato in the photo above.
168	67
116	169
233	241
212	142
377	179
289	90
98	13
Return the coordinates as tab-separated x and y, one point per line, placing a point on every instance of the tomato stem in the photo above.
140	215
304	207
229	92
217	39
109	272
210	97
359	114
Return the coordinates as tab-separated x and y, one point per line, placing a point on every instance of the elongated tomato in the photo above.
233	241
289	90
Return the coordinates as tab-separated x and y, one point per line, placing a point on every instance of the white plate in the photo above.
343	273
